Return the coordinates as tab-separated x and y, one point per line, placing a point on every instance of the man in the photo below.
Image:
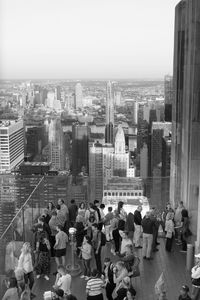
63	280
147	226
73	211
60	245
94	287
96	242
107	223
96	208
63	208
138	226
109	282
155	229
184	293
60	216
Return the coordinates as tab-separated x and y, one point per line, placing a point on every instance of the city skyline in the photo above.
73	39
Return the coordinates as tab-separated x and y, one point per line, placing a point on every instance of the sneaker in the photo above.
46	277
86	277
82	276
38	276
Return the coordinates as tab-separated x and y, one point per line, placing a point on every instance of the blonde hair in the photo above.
26	247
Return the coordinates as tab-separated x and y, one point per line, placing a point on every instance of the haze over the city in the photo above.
86	39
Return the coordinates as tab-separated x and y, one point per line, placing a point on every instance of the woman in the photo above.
125	241
94	287
81	211
119	272
196	279
43	248
25	263
120	211
185	231
122	288
12	292
50	208
128	257
169	229
116	234
130	294
80	232
86	251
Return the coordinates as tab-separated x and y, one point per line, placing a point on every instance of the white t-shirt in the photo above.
64	283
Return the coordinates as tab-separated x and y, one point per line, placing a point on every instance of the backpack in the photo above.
92	217
103	239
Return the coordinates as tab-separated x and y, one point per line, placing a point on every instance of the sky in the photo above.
73	39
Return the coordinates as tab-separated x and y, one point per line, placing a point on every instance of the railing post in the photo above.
23	225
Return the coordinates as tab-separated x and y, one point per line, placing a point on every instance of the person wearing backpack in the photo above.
97	245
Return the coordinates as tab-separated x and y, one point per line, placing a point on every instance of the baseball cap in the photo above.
185	288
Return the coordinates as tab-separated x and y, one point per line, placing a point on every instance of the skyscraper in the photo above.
121	157
109	137
185	149
96	171
80	148
11	144
169	94
78	96
56	145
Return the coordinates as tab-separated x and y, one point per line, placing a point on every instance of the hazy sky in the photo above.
86	38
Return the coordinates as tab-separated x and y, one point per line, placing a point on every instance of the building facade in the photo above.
56	145
185	148
80	148
11	145
109	129
78	96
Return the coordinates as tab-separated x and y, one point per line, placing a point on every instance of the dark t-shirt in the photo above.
181	298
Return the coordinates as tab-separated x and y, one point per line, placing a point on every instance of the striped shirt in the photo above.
94	286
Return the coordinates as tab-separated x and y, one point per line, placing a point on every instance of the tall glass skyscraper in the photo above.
109	136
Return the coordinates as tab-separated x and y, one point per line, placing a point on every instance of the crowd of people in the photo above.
94	228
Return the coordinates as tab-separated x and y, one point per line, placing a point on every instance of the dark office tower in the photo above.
58	92
80	144
142	128
43	95
156	149
168	90
185	155
34	140
109	114
152	117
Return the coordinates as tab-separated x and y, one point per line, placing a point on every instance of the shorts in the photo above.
60	252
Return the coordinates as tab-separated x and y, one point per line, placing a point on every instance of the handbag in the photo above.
135	268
